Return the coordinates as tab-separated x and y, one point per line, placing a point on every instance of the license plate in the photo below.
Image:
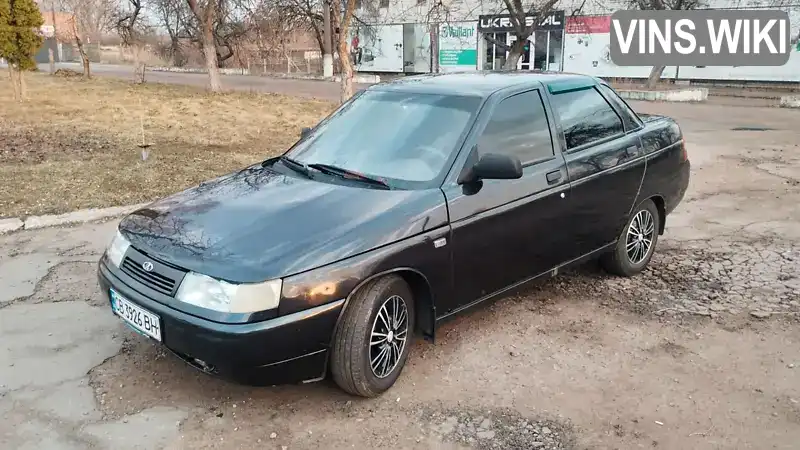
137	317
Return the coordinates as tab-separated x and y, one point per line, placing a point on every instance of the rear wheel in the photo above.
637	243
372	340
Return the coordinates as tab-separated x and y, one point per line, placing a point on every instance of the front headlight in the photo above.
117	248
207	292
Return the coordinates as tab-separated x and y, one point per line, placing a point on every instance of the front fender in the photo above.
416	255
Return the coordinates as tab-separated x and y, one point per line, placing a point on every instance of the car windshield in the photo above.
405	139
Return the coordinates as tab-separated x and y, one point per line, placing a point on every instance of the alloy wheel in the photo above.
639	238
389	336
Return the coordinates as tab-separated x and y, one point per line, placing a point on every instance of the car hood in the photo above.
257	224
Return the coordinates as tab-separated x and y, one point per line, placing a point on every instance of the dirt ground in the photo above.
702	351
78	144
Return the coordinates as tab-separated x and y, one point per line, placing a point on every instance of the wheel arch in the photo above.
425	313
662	211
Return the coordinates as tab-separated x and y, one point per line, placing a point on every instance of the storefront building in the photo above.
404	38
543	52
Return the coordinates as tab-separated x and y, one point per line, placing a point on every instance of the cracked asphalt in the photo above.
701	351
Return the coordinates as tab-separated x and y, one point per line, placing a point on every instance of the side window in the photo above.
518	127
627	112
586	117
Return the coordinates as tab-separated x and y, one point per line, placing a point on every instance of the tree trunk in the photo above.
84	57
138	67
346	70
177	54
515	53
214	83
327	57
23	91
14	86
655	76
52	59
210	52
343	23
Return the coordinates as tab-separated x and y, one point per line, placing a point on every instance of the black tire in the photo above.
618	261
350	360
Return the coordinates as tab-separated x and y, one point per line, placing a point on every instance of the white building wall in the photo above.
412	11
588	52
405	11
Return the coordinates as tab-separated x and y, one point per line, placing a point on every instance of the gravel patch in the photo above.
499	429
704	278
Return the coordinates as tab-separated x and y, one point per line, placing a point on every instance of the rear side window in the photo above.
518	127
586	117
632	119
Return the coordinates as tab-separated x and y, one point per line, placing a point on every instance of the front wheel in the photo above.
637	243
372	340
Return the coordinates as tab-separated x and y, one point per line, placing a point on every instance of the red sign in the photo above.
588	24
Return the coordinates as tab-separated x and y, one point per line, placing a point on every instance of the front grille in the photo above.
153	280
161	278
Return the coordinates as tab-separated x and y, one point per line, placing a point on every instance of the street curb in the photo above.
222	70
80	216
790	101
360	78
673	95
9	225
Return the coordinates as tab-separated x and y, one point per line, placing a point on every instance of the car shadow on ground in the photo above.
145	374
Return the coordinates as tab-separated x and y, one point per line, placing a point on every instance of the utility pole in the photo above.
327	54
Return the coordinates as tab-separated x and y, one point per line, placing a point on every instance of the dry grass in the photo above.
74	143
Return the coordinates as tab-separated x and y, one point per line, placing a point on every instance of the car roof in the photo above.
482	83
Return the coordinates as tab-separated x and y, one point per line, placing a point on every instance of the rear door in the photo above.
605	164
506	231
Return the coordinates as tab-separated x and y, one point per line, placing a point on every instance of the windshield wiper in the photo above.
349	174
295	165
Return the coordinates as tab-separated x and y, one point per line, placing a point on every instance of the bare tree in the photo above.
303	15
271	26
173	15
76	34
131	28
232	25
342	16
90	18
95	17
205	12
660	5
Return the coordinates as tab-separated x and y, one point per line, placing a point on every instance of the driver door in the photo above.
507	231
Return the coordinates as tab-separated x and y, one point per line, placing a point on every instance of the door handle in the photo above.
632	150
553	177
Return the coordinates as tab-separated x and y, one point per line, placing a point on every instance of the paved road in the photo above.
306	88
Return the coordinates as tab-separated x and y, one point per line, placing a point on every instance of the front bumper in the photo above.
286	349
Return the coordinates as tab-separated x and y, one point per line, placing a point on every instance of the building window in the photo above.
383	4
422	2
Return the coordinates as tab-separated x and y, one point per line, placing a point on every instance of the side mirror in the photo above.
494	166
304	132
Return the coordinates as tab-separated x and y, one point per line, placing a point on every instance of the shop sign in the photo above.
491	23
458	46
